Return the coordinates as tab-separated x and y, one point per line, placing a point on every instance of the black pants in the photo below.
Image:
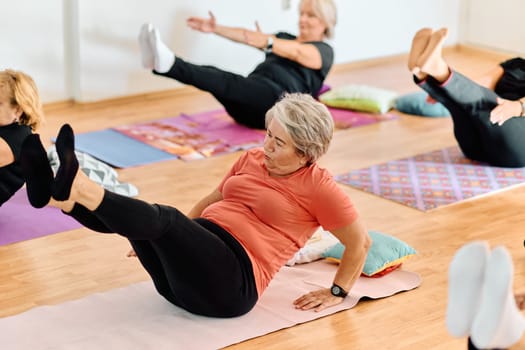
194	264
470	105
246	99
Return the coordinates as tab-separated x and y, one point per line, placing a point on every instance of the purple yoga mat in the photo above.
19	221
433	179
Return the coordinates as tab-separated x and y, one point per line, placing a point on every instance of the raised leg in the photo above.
419	44
431	61
36	170
146	50
466	275
498	322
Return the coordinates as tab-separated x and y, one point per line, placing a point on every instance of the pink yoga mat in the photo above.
19	221
136	317
195	136
210	133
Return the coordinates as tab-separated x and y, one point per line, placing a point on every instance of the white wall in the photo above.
495	24
31	38
108	59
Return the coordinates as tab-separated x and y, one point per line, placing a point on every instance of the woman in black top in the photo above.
292	63
488	115
20	113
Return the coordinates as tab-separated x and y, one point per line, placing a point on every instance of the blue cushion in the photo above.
415	103
385	252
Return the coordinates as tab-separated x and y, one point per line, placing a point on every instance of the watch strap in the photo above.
338	291
269	45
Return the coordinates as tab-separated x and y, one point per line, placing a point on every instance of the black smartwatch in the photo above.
338	291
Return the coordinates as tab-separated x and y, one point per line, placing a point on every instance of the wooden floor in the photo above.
77	263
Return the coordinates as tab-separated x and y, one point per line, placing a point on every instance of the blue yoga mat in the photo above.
118	150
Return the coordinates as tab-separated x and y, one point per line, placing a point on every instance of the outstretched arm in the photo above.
357	242
305	54
209	25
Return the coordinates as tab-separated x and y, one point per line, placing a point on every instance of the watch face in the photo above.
336	290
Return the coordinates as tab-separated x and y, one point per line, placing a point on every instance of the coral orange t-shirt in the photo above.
273	217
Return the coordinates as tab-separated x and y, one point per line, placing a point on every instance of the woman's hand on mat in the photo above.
131	254
505	110
317	300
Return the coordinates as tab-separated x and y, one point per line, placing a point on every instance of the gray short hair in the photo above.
326	11
307	121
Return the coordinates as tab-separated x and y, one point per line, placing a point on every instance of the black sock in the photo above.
37	172
65	145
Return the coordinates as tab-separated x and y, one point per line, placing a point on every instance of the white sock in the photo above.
498	323
465	281
146	51
164	57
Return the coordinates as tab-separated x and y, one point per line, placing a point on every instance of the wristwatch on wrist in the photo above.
522	108
338	291
269	45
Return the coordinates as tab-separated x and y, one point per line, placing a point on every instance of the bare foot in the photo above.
431	60
419	44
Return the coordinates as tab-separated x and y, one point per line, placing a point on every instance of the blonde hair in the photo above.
326	11
307	121
22	92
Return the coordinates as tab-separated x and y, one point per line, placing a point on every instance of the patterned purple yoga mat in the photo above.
202	135
19	221
430	180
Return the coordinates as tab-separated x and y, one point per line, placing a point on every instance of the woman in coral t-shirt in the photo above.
263	211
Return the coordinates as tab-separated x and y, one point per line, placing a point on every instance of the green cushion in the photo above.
360	98
416	103
385	252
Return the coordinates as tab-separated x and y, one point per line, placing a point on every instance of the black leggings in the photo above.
470	105
194	264
246	99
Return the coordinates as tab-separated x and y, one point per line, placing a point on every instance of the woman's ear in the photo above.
303	159
18	111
